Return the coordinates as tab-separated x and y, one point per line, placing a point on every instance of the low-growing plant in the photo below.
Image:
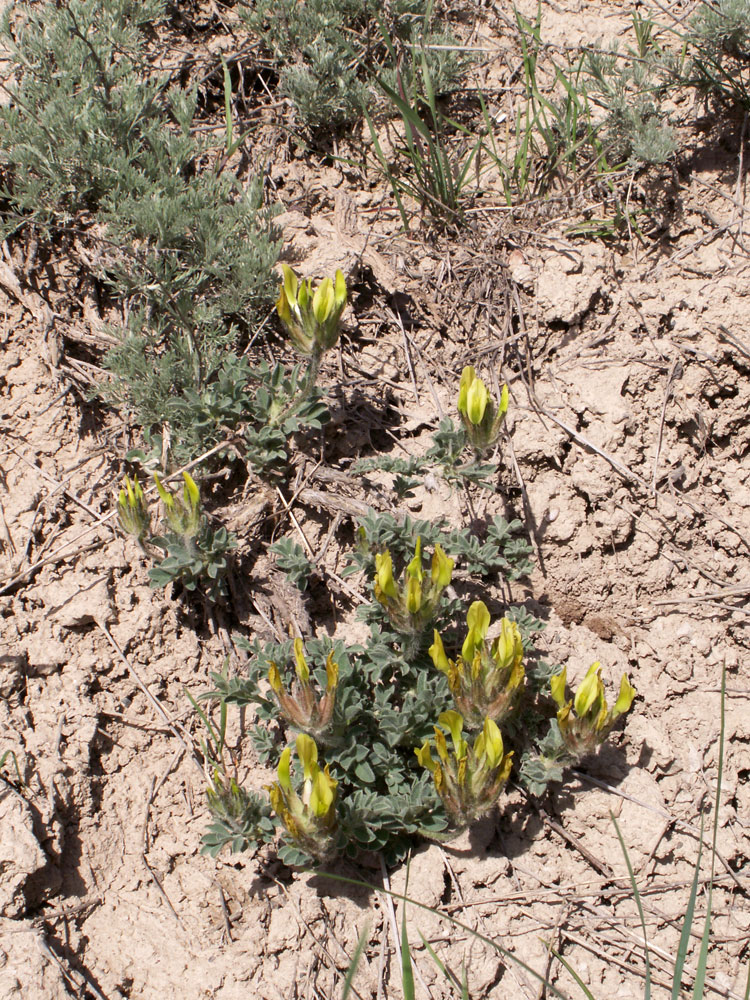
690	927
581	725
284	402
194	551
445	456
292	559
629	88
327	52
94	142
481	420
267	404
485	681
311	317
600	113
369	721
719	51
482	417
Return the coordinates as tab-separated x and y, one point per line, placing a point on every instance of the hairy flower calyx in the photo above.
585	720
481	417
468	779
303	706
485	680
311	317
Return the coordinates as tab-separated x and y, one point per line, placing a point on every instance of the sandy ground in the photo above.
627	458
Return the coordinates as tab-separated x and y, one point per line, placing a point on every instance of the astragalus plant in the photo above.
411	733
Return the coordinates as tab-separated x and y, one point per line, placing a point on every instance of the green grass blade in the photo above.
586	991
385	167
446	972
227	102
700	973
11	754
498	948
354	964
407	972
687	926
216	741
405	109
639	904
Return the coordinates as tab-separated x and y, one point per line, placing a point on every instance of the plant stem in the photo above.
312	372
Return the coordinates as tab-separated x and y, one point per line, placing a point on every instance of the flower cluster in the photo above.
485	680
468	780
412	605
585	720
183	513
302	706
311	318
309	817
481	416
132	510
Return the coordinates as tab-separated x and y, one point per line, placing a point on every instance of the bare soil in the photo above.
627	458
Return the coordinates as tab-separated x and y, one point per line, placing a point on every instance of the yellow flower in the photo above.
412	604
132	510
309	817
481	418
470	779
585	720
183	513
311	317
303	706
485	681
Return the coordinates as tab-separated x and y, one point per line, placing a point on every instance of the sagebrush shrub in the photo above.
94	140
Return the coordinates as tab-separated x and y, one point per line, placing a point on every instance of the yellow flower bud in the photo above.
437	653
467	377
322	793
307	752
274	678
557	687
413	595
323	301
454	723
191	492
414	569
167	498
332	672
476	401
588	691
442	568
507	649
384	575
625	698
503	407
283	769
290	284
489	744
478	621
300	663
424	757
340	290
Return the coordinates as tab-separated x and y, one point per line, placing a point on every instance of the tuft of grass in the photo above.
434	171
